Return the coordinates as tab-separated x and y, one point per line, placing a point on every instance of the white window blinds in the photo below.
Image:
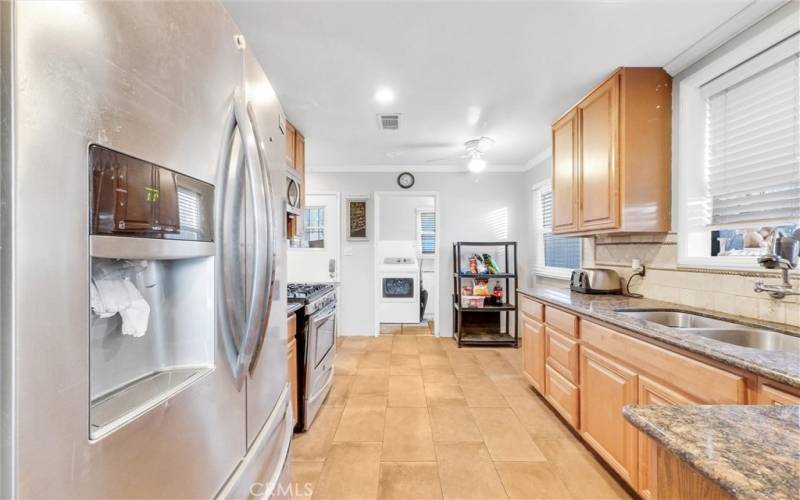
426	231
753	147
553	251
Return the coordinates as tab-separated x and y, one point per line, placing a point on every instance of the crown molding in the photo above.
543	155
416	169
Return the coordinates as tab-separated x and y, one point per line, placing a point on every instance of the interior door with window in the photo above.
314	257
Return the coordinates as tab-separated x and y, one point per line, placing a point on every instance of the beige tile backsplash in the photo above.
725	291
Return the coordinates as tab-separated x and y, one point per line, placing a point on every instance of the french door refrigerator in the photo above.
142	265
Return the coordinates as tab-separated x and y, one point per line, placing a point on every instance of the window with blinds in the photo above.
426	232
555	256
752	166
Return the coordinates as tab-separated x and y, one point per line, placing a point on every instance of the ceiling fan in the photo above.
474	149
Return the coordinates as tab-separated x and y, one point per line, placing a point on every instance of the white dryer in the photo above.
398	282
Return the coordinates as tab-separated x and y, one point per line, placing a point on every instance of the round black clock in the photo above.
405	180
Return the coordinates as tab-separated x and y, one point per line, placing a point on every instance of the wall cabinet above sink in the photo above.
611	157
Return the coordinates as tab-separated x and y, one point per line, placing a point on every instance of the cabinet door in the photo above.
599	157
292	365
291	134
768	395
300	164
607	386
533	351
653	393
565	173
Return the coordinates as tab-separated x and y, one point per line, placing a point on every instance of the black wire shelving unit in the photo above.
484	326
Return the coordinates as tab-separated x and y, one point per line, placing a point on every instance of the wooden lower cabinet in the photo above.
653	393
533	344
677	480
561	353
769	394
606	387
291	362
563	395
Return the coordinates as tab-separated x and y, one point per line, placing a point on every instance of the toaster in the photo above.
595	280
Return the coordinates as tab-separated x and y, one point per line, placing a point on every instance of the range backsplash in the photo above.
716	290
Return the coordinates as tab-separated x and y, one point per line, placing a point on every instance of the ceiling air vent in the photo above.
389	122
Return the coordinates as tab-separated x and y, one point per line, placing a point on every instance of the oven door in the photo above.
319	355
321	336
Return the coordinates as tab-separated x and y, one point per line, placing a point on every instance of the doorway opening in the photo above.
406	263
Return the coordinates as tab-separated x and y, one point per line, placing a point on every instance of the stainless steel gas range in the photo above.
316	346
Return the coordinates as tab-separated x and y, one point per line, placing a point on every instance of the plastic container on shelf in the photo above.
473	301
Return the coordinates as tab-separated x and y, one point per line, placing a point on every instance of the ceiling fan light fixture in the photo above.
476	164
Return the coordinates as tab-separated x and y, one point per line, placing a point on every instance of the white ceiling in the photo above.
521	64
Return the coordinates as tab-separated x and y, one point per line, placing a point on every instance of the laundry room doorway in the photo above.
407	263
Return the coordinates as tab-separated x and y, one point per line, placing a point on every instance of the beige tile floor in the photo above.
414	417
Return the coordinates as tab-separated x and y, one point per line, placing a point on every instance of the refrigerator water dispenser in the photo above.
151	287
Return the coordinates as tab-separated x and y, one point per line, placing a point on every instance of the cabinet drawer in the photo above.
708	384
562	394
532	308
562	354
562	321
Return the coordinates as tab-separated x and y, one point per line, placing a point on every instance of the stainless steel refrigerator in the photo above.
142	266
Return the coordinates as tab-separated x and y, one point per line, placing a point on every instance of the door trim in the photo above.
376	265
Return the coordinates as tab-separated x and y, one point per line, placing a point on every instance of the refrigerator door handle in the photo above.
228	263
228	269
263	267
268	233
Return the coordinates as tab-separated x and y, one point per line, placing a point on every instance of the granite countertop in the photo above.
780	366
749	451
293	307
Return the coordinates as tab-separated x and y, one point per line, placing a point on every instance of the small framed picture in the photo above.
357	219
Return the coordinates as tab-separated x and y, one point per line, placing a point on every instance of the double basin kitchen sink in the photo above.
719	330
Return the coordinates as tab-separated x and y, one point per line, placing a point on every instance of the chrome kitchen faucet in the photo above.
783	255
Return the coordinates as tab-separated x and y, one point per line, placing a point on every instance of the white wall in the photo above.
398	216
490	206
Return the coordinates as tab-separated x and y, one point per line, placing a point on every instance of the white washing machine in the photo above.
398	282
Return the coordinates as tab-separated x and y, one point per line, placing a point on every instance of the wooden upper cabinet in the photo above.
617	172
599	172
565	173
291	135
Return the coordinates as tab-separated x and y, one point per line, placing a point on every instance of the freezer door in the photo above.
153	80
267	374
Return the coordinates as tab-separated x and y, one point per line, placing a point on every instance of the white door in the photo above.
315	257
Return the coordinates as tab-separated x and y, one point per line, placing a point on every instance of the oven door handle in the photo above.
325	314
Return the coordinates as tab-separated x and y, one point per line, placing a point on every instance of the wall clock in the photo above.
405	180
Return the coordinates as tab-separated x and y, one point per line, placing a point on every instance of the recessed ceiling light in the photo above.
384	96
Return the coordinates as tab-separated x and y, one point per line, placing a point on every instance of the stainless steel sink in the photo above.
677	319
766	340
722	331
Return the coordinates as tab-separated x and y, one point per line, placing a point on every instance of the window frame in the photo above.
763	48
306	228
420	232
539	232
